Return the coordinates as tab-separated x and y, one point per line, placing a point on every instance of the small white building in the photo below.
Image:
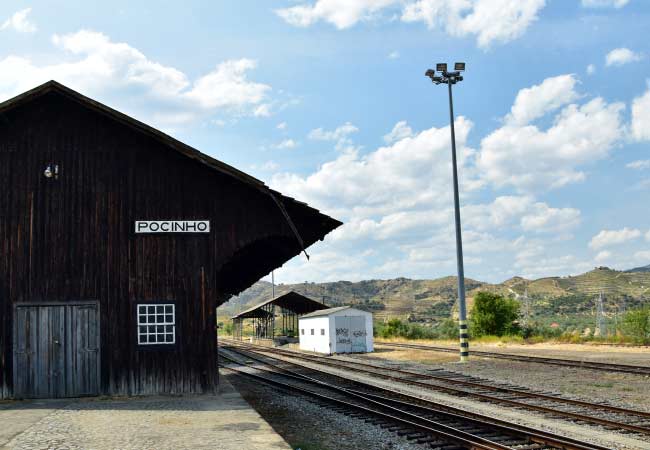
336	330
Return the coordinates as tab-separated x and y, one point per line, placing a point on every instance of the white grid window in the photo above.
156	324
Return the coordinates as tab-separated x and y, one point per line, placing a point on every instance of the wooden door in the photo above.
56	350
358	334
343	341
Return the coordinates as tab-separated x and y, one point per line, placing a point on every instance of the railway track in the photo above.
608	367
425	422
602	414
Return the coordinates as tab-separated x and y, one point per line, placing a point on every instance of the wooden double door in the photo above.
56	350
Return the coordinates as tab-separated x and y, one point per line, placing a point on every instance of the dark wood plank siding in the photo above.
72	239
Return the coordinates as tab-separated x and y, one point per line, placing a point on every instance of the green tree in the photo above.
226	328
493	314
636	324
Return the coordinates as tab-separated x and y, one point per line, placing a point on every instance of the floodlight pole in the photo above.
451	78
462	308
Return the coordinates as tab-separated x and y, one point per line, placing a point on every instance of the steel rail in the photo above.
534	435
490	398
436	429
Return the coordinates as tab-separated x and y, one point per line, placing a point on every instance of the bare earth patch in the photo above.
625	389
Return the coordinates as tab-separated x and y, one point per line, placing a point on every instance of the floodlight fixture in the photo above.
459	66
441	67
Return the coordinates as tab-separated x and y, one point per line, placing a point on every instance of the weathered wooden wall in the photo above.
72	239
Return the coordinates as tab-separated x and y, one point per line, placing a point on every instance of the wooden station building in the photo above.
117	244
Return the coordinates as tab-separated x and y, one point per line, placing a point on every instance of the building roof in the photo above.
326	312
190	152
292	301
307	224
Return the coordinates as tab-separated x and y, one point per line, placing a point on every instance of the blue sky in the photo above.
326	100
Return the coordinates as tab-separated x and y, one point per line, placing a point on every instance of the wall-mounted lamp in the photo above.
52	171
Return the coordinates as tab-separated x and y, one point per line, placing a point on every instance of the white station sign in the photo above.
172	226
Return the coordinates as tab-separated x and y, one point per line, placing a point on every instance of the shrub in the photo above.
494	314
447	329
226	328
396	328
636	324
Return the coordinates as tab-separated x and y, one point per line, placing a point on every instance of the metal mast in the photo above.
600	323
526	308
451	78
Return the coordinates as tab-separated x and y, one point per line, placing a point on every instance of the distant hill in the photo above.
425	300
640	269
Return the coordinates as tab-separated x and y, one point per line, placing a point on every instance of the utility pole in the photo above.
526	308
451	78
600	324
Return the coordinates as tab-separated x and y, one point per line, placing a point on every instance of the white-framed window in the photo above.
312	331
302	331
322	331
156	324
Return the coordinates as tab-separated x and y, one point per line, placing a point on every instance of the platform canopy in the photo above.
291	301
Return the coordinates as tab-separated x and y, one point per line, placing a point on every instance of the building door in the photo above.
343	341
358	334
56	350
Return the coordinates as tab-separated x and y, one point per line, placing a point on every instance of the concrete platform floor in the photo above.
224	421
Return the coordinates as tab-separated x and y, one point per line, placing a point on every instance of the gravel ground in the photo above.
626	390
308	426
588	433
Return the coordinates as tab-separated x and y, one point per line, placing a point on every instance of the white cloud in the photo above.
641	164
490	20
96	65
341	135
502	212
412	171
603	257
340	13
507	211
400	131
620	56
546	219
532	260
647	236
19	22
227	86
393	55
282	126
341	132
263	110
591	69
643	256
287	144
534	102
526	157
608	238
604	3
396	204
641	117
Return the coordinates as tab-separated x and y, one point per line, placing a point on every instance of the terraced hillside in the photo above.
433	299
